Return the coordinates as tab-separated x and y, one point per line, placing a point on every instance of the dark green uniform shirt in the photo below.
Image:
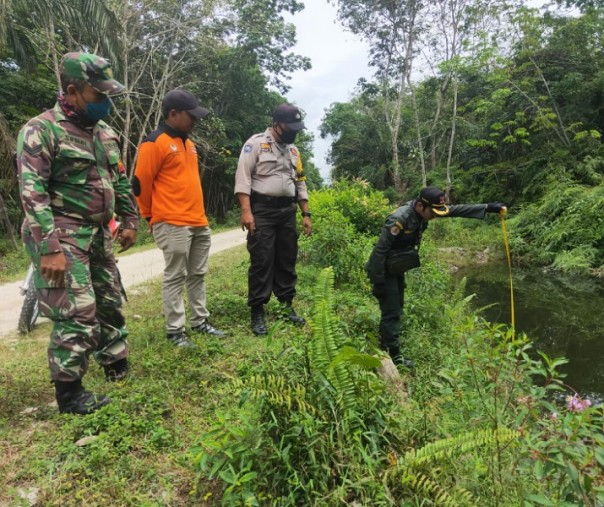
403	229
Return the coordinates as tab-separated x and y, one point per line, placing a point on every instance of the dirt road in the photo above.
134	268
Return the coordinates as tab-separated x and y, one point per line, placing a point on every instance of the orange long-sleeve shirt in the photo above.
166	180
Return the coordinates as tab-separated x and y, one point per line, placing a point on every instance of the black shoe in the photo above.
290	314
397	357
181	340
72	398
407	363
116	371
258	323
206	328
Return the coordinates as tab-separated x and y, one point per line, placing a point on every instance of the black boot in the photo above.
397	357
290	314
116	371
74	399
258	323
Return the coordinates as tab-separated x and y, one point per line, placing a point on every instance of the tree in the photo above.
392	29
56	25
360	148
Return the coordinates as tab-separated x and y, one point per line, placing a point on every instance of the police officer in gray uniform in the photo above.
269	183
402	232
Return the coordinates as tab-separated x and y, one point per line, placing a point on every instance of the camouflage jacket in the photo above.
403	229
71	179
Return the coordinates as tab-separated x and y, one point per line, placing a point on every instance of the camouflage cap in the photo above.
93	69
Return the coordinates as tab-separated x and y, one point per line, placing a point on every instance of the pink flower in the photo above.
576	404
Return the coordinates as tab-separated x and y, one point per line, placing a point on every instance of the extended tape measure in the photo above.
502	214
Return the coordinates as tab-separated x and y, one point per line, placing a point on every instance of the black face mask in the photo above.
288	136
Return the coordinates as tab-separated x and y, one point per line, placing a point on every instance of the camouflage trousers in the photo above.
86	313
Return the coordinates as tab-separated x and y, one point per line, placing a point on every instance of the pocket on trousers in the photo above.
61	303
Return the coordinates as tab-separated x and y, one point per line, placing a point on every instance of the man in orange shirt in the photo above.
168	189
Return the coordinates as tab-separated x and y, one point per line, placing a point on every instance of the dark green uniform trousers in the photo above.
273	252
390	296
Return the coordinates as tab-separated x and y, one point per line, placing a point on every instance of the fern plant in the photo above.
301	435
327	340
419	469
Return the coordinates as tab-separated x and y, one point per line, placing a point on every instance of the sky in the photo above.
338	60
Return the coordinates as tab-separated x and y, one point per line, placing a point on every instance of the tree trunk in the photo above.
452	136
53	50
418	130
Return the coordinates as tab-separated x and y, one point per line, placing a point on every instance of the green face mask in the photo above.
98	110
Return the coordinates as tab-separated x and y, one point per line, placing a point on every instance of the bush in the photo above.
335	242
565	229
365	208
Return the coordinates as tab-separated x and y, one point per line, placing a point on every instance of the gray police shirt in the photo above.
270	168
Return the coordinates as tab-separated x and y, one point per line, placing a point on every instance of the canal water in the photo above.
562	315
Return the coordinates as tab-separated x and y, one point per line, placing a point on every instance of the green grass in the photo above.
142	453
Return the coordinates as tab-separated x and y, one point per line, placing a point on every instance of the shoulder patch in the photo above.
247	148
32	151
395	230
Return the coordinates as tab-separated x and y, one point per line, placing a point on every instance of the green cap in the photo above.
93	69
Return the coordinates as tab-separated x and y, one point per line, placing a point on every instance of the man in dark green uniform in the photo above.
72	181
400	239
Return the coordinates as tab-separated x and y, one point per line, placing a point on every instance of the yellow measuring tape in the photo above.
503	213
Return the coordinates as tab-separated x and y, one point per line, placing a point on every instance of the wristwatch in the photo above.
306	214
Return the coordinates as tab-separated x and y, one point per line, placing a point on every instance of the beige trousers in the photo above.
186	250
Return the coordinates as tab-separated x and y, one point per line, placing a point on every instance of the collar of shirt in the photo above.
282	147
172	132
64	111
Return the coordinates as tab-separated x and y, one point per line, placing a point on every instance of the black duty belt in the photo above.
272	201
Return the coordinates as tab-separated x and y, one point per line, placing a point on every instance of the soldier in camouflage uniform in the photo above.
72	181
403	230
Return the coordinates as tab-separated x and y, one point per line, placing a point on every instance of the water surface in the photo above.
561	314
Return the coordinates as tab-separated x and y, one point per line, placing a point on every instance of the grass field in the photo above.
137	450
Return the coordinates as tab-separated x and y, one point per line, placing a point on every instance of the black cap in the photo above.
182	100
290	115
435	198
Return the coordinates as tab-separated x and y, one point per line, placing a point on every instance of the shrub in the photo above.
365	208
335	242
564	229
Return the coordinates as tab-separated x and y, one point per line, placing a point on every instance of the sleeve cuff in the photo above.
130	224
